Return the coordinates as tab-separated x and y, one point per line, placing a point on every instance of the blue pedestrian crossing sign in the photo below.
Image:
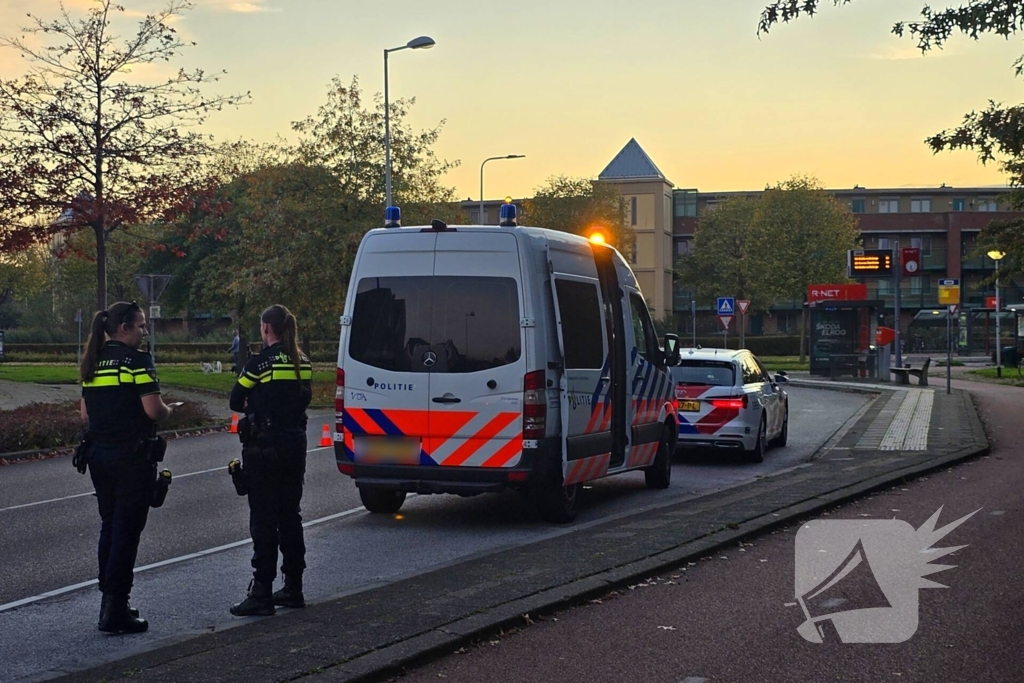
726	305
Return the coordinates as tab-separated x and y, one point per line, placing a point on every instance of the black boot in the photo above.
291	595
115	617
258	602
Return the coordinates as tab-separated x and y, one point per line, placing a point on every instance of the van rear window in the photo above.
436	324
704	372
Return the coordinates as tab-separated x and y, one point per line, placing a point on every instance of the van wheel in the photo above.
557	503
757	454
382	500
783	436
658	474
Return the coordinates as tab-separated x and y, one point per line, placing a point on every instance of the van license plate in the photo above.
689	406
379	451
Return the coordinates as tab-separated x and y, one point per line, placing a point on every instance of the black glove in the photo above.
81	458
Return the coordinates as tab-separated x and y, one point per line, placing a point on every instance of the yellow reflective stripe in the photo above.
127	378
285	374
108	371
101	382
246	382
144	379
306	374
136	372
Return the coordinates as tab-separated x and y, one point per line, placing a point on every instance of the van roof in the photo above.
557	235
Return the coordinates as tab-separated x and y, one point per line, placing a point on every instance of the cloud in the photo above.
900	54
246	7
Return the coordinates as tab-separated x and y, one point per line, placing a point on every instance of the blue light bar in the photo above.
392	217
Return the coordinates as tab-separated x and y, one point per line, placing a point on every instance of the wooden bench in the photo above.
903	374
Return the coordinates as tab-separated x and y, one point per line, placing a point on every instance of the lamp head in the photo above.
996	255
421	43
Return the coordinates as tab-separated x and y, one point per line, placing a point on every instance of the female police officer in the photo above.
274	390
121	402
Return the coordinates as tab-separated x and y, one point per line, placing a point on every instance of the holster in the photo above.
245	429
152	448
80	460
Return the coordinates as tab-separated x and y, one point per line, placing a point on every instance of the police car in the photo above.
727	400
482	358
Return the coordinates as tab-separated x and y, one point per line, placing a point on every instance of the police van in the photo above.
476	359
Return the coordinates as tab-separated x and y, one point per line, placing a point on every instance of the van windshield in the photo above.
436	324
704	372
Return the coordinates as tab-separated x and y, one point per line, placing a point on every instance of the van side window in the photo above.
643	329
579	307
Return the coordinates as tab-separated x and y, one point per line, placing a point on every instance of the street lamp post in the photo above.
421	43
507	156
997	256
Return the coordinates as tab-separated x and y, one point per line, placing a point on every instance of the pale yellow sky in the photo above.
568	82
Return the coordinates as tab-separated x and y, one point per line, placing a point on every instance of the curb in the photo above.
392	659
18	456
825	386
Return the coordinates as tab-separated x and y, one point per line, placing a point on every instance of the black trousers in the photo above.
274	477
124	485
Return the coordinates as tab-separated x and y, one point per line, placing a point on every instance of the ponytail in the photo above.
285	328
104	325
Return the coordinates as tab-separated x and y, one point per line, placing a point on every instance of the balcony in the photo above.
934	260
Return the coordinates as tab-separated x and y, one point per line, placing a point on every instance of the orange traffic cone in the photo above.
234	423
325	437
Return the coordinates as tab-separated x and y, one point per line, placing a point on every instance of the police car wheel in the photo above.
658	475
382	500
783	436
757	453
557	503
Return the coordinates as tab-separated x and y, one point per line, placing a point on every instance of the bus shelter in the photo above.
842	339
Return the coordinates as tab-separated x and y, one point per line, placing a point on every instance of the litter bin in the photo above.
1010	356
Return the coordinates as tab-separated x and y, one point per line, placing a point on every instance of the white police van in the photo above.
481	358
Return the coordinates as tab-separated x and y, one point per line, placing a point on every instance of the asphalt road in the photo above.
733	616
49	525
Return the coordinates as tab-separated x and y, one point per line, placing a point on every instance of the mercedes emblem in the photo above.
429	359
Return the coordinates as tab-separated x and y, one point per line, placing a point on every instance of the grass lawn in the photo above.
773	363
45	374
1010	376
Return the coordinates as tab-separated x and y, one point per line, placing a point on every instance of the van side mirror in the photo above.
672	349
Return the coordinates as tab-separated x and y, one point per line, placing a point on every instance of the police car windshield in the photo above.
436	324
704	372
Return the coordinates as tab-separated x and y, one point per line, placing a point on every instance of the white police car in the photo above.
726	399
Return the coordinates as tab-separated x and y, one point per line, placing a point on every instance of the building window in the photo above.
920	206
710	205
684	203
987	205
959	204
888	243
857	205
888	206
884	287
684	247
922	243
632	210
632	250
474	218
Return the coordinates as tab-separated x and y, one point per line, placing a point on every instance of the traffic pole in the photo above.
897	266
949	347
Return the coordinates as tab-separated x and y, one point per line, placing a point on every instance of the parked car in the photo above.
726	399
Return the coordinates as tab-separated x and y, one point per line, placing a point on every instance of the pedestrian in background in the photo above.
236	353
121	403
273	391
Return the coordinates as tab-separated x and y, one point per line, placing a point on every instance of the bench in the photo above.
903	374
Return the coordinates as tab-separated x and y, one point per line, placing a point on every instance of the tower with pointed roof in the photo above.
648	195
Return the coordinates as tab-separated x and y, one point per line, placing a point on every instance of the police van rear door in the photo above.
387	376
478	350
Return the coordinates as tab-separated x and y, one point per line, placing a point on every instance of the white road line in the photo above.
173	560
176	477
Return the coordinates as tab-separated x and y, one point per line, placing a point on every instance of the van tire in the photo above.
658	475
385	501
557	504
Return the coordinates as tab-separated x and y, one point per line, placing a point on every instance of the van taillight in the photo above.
535	405
735	403
339	401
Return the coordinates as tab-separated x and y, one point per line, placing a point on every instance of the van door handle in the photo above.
446	399
606	379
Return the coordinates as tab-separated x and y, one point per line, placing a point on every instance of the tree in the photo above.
727	259
997	132
83	137
804	233
579	205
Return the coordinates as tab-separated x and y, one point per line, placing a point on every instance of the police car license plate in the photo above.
689	406
385	451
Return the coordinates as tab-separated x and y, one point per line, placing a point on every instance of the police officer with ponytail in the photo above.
274	390
121	403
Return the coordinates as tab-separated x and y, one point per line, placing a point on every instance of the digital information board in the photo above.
869	263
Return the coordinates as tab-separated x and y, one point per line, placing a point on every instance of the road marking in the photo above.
908	430
176	477
173	560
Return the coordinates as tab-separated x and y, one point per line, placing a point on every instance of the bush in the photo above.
38	426
166	352
774	345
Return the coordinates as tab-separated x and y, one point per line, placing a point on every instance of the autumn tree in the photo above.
996	133
91	135
580	205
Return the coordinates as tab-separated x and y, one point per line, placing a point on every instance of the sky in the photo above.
569	82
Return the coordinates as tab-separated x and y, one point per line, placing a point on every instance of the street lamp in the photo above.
421	43
508	156
997	256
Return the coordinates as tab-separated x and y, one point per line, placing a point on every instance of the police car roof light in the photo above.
392	217
508	215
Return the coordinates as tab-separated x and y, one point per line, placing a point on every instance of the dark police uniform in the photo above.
123	477
275	398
